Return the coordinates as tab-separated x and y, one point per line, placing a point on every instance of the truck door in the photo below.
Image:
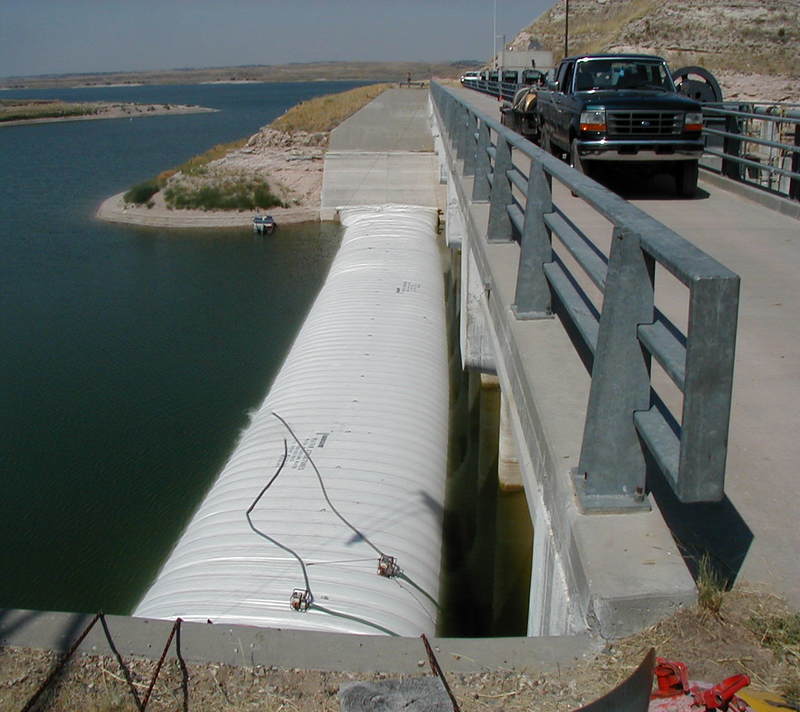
561	120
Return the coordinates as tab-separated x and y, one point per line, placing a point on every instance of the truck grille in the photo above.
644	123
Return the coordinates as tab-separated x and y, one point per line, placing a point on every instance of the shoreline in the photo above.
287	157
114	210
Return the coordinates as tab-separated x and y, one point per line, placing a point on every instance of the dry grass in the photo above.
196	163
753	633
593	34
710	586
324	113
749	36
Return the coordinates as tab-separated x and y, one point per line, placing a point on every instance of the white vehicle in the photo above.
470	77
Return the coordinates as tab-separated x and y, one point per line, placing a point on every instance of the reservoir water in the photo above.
129	357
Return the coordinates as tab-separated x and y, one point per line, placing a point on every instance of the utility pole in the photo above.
494	33
566	30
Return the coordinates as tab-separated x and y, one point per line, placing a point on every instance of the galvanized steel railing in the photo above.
627	423
503	90
755	143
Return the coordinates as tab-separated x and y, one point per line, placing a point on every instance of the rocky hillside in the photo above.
727	36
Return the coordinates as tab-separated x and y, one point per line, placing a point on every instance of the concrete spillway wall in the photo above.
356	425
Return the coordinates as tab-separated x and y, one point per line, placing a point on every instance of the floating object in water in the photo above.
264	224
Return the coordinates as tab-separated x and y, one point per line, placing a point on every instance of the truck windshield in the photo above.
598	74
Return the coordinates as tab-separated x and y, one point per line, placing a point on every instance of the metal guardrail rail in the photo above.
504	90
750	142
755	143
626	422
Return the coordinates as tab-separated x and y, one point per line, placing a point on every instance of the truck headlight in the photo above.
693	121
593	120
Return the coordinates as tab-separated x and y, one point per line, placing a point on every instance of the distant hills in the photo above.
743	36
294	72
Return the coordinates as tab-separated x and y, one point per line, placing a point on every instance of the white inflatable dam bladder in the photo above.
341	471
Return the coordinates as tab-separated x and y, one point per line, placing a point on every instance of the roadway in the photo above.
753	533
383	154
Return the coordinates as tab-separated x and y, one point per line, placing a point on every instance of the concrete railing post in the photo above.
611	469
532	298
499	229
480	187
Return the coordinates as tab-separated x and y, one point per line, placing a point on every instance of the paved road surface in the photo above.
383	154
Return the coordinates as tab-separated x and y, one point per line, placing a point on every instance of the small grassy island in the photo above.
23	111
279	167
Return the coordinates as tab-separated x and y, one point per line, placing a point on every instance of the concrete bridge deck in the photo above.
383	154
753	532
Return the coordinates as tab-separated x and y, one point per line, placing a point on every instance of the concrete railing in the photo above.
621	329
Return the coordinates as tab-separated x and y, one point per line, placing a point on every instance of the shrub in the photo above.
226	195
140	194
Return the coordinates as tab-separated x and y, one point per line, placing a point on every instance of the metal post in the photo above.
611	470
732	146
450	120
532	298
713	309
460	133
499	229
470	143
494	34
480	186
794	183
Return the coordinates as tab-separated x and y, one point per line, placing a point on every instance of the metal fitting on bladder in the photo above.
301	599
387	566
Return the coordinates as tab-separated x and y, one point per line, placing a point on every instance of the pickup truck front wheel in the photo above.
686	178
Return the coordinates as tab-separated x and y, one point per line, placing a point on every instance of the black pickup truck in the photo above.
621	108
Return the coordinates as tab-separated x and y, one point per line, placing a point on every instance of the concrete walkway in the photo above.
383	154
753	533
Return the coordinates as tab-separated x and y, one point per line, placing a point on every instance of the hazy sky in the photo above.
60	36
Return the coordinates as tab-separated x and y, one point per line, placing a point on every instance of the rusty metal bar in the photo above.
32	701
175	627
437	670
